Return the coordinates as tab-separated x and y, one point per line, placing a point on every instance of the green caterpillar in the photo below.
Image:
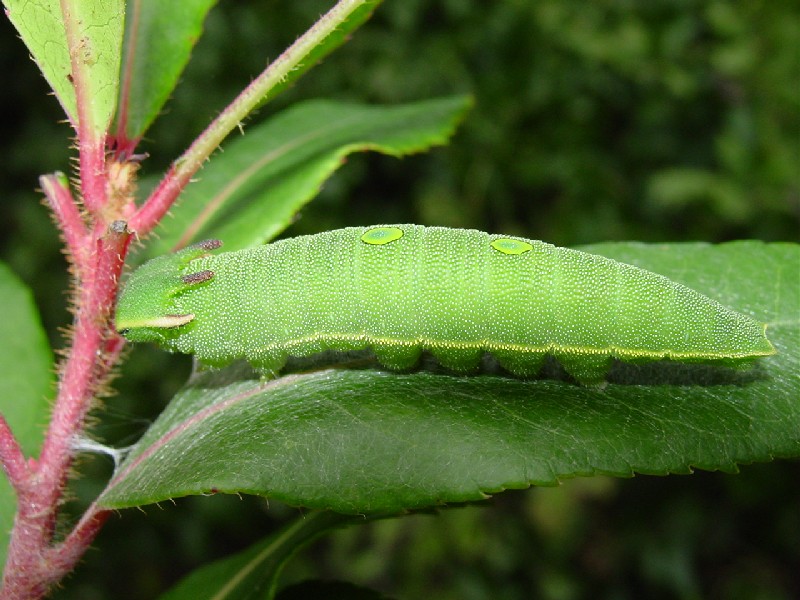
401	289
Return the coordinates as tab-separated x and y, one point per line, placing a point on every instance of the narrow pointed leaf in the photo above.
251	191
159	38
96	42
26	380
364	441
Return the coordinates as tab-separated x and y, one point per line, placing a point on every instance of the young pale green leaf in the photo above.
365	441
95	41
26	380
254	572
251	191
159	38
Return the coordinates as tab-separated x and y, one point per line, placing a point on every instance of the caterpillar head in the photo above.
144	312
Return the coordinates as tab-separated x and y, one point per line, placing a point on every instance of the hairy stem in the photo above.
12	458
185	167
32	567
64	556
68	217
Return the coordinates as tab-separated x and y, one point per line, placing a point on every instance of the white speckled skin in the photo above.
399	289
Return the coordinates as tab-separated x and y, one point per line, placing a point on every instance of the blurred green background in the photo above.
616	120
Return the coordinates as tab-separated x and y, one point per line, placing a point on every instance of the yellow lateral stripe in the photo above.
434	345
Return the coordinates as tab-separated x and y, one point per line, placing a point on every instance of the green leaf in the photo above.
100	29
97	45
159	38
41	27
250	192
365	441
26	381
253	573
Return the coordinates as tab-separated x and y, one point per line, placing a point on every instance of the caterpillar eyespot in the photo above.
379	236
400	289
511	246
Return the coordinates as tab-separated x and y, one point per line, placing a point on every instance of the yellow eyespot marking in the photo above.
509	246
377	236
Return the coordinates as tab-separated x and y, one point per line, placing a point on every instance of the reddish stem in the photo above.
64	556
92	160
12	458
59	197
91	331
160	201
33	565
